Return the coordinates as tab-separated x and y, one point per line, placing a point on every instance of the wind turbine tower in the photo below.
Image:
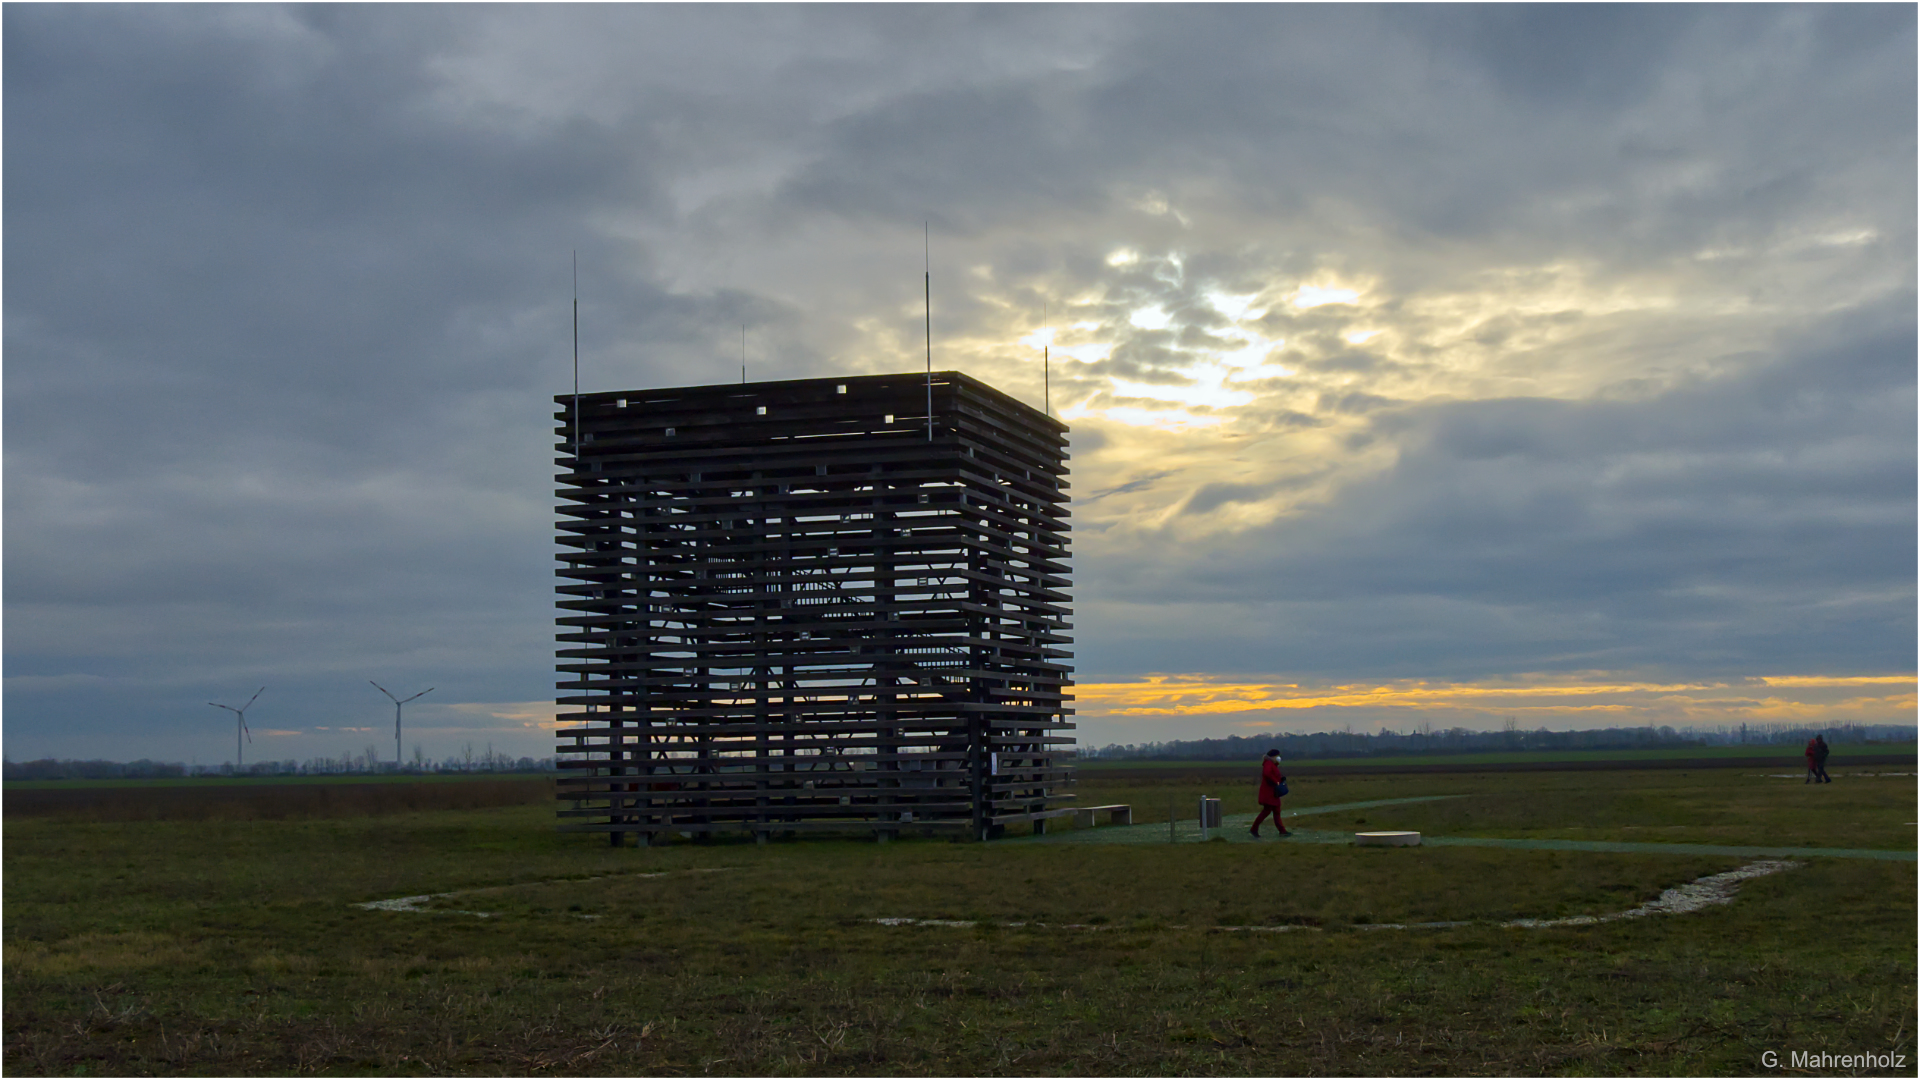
397	702
239	754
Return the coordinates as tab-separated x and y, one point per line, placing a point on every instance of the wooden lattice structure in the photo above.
802	605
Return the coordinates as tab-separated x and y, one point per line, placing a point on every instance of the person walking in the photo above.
1273	784
1813	771
1819	757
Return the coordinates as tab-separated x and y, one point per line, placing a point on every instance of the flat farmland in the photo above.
1873	755
277	798
238	945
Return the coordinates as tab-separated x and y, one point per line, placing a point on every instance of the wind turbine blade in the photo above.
254	698
383	690
422	693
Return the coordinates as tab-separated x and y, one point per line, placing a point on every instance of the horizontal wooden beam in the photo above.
758	583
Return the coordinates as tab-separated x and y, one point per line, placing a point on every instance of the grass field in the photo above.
255	781
270	799
232	946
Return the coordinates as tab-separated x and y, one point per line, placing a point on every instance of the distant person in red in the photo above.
1273	784
1813	769
1817	759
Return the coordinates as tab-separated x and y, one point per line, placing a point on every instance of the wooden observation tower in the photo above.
809	605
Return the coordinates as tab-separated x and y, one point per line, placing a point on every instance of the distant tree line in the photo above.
367	762
1424	739
1429	740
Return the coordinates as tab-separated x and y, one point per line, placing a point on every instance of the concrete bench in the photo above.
1119	814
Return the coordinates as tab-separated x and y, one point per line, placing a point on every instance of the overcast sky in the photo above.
1425	364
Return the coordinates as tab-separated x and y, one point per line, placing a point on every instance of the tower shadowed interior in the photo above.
785	607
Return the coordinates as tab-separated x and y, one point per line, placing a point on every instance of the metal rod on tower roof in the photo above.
576	359
927	239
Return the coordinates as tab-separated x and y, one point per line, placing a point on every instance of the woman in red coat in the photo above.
1270	780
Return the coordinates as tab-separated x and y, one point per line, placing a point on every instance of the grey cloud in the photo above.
1267	420
926	156
1138	483
1211	497
1086	440
1147	361
1563	56
281	343
1746	524
1354	361
1355	402
288	297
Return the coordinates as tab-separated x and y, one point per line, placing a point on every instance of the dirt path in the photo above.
1233	829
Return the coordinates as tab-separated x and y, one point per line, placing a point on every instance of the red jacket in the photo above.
1270	775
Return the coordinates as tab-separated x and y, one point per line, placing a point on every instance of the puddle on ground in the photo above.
1679	900
416	904
413	903
1080	926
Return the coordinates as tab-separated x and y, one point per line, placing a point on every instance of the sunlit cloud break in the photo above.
1595	698
538	715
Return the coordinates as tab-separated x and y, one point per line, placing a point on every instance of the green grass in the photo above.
260	802
1790	755
1697	808
1704	806
245	781
233	947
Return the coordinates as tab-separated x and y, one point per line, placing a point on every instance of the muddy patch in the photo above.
418	904
1681	899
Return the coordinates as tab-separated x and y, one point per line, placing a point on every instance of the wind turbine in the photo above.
239	757
397	702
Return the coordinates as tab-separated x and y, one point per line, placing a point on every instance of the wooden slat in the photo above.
751	575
